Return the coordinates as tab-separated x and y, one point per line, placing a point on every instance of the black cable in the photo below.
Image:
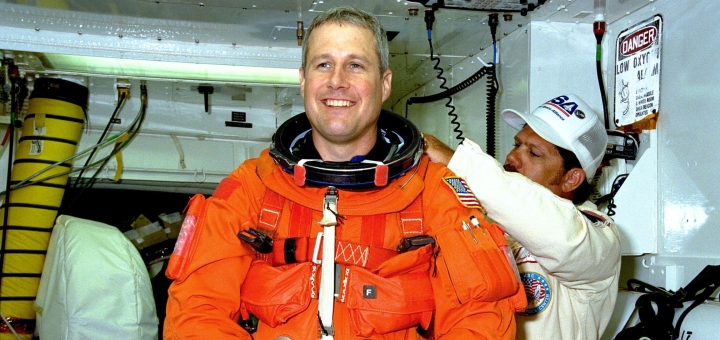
598	67
429	20
599	31
139	118
698	290
448	104
492	90
492	84
6	214
610	198
134	129
121	100
118	147
15	108
453	90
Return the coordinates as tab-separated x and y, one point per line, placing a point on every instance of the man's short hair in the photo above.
357	17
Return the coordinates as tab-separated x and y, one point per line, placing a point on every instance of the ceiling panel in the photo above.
270	25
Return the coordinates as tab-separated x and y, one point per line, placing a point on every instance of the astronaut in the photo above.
342	228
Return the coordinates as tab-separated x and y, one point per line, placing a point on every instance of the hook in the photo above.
203	176
652	262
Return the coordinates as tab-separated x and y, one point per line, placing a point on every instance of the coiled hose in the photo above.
448	104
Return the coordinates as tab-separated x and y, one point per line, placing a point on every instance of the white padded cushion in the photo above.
94	285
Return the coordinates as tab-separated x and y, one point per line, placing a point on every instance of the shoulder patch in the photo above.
463	193
226	187
538	292
594	217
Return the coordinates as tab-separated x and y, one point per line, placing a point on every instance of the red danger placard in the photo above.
637	71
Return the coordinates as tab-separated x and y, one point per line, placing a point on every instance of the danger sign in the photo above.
637	71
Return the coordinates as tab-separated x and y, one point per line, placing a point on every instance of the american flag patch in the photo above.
463	192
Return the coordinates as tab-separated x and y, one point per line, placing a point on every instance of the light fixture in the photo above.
151	69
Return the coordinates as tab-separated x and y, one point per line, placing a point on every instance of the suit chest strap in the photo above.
298	246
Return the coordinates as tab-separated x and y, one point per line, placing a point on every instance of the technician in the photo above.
567	252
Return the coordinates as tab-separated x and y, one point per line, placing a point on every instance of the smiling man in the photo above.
344	82
342	228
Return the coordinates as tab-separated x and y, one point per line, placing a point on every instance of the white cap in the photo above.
567	122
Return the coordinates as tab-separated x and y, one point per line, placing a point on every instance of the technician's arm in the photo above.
461	312
562	240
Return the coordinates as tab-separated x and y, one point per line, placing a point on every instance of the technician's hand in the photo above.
436	150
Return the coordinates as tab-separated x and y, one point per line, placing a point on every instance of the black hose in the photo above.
598	67
492	90
15	108
102	137
599	32
451	91
134	129
448	104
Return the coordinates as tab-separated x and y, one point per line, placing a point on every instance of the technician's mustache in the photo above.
510	168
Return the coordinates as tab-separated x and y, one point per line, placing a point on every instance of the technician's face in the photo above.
536	159
342	85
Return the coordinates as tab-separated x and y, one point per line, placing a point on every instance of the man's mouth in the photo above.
338	103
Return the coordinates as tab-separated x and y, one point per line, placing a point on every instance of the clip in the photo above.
261	242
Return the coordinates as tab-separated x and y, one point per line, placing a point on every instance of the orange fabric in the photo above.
204	301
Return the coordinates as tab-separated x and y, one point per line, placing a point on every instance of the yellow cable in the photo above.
118	156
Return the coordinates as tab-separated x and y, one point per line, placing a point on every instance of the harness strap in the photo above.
270	213
373	230
298	247
411	218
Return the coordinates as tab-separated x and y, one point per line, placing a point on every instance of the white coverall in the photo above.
569	264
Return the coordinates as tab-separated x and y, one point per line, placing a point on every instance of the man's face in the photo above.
342	85
537	159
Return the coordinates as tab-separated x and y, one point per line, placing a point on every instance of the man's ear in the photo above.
386	84
302	82
572	179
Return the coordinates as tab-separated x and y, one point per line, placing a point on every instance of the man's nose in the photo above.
513	159
338	78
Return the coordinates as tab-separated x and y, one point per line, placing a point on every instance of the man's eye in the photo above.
534	154
323	65
357	66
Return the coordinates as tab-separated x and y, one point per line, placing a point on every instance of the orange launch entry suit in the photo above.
462	287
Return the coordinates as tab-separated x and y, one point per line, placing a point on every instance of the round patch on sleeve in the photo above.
537	291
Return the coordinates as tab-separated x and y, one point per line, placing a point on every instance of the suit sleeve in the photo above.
204	299
564	242
461	312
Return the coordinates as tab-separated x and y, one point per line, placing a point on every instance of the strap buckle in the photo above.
261	242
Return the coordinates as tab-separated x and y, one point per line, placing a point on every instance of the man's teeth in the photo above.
338	103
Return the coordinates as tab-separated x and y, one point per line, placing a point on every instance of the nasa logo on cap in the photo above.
562	102
580	114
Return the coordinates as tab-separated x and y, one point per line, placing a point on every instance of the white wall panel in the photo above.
688	192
